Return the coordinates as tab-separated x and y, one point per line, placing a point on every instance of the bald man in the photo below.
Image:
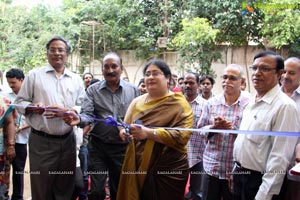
290	81
110	97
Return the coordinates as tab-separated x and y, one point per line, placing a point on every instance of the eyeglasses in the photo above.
153	73
53	51
262	68
230	77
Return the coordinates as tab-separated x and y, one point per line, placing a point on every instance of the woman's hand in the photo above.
135	131
138	131
124	135
10	153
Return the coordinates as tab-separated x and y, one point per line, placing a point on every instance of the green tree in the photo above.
26	32
281	26
235	26
196	45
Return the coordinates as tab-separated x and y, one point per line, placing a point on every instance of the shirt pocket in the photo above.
256	127
70	96
257	139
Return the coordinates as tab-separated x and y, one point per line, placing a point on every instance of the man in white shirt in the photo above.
46	94
290	81
262	160
15	79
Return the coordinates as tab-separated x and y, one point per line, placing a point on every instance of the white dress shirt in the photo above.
42	85
271	155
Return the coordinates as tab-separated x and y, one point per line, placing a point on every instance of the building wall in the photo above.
230	55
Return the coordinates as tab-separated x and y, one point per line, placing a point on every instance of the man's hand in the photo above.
71	118
221	123
55	111
37	108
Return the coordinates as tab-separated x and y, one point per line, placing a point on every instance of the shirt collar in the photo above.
297	91
104	85
198	99
49	68
271	94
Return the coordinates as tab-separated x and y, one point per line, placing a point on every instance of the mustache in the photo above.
286	80
111	74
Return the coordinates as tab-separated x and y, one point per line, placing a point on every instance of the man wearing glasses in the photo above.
46	94
262	160
223	111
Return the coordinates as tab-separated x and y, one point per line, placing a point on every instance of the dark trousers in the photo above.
215	188
79	185
83	156
246	184
52	167
293	190
104	160
18	165
195	181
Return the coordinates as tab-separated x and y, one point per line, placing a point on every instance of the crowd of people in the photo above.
151	140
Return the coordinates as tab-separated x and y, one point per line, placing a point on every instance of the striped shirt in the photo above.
196	144
217	156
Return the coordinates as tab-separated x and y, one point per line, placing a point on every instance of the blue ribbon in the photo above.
110	121
252	132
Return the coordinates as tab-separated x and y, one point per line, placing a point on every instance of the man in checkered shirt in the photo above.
223	111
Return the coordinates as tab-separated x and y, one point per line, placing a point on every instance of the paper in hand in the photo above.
295	170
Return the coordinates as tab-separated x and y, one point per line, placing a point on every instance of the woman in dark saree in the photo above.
155	166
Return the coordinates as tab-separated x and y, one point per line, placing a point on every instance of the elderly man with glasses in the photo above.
223	111
46	94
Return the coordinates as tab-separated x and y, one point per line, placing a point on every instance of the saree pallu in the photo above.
5	110
154	170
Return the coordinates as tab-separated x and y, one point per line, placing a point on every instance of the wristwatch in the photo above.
154	133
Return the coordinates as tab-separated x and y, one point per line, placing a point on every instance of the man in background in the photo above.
15	79
206	85
196	143
290	81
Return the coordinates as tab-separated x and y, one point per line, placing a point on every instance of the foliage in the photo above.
235	27
282	23
294	49
196	44
26	33
137	24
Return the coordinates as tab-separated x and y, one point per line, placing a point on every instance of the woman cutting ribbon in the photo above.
155	165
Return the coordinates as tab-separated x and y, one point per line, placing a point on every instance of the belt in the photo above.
239	168
46	135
